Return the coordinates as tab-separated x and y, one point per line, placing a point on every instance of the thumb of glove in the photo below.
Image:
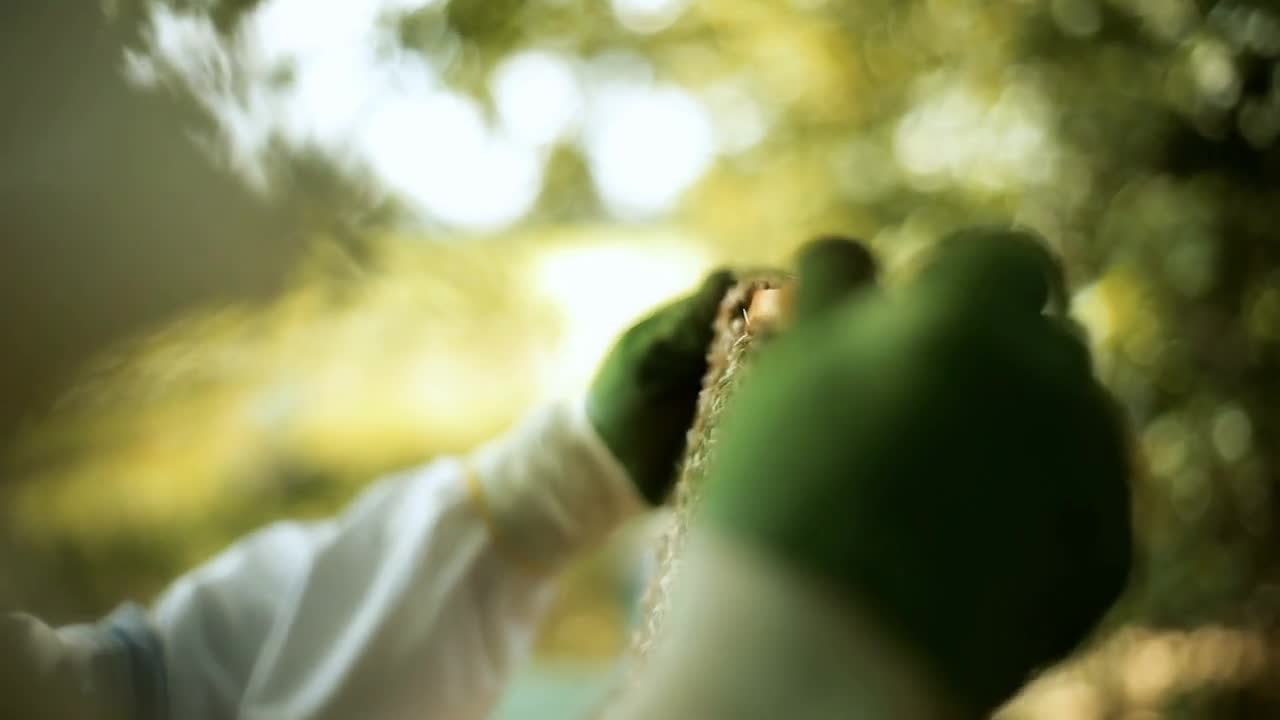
830	270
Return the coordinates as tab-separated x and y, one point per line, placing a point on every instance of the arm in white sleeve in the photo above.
416	602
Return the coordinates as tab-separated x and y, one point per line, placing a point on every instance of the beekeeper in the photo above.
418	599
919	499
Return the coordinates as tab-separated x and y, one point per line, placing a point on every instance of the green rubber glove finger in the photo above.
999	273
829	270
998	266
642	400
932	453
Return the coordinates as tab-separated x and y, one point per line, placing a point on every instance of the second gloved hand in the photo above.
943	456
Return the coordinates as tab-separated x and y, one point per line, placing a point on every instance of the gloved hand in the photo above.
942	455
643	398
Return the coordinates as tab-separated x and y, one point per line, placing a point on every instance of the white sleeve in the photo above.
416	602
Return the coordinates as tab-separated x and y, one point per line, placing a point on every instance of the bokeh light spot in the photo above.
646	146
538	97
439	153
1232	433
647	16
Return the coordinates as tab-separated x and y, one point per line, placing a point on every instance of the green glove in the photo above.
943	453
643	399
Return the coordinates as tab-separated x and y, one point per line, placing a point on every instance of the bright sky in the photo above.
380	111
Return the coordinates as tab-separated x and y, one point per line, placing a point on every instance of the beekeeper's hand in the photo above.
942	455
643	398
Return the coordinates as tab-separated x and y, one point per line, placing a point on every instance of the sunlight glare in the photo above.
601	289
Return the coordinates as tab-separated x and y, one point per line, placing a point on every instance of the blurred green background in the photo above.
256	253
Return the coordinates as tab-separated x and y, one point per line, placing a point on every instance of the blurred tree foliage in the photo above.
1139	136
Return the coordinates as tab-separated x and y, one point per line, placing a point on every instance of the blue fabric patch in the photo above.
143	660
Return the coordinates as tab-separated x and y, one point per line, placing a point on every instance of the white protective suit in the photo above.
417	601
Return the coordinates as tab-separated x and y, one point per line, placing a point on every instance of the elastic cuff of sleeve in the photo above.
550	489
122	664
